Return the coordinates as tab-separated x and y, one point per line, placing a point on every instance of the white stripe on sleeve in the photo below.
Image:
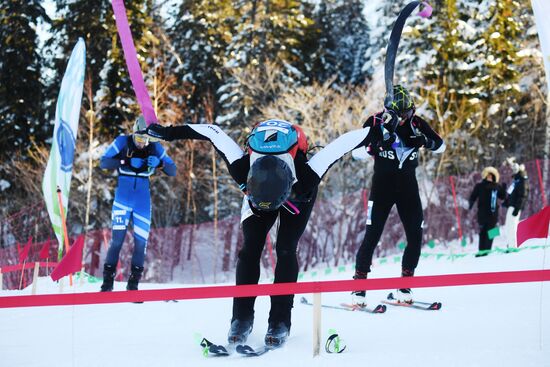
221	140
441	149
321	162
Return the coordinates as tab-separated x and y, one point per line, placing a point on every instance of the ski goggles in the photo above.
141	139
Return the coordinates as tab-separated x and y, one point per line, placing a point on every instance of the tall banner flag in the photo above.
60	164
541	9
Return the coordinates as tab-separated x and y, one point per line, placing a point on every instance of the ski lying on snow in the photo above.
248	351
427	306
347	307
215	350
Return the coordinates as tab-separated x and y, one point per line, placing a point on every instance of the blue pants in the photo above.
132	201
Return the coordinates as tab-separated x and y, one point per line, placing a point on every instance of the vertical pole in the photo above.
90	114
215	184
1	280
316	323
541	183
456	207
22	272
35	277
82	275
64	226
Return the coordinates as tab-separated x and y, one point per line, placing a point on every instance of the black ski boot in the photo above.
134	278
109	272
358	298
405	295
277	333
239	331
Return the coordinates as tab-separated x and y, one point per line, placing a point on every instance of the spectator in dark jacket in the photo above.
517	193
487	192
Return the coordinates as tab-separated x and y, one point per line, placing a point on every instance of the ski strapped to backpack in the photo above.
393	44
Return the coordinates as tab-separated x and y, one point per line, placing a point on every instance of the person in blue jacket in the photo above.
135	159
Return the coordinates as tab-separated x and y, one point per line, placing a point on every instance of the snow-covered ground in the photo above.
488	325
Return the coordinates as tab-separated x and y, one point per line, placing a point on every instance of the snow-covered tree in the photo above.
267	31
21	86
105	64
343	42
199	37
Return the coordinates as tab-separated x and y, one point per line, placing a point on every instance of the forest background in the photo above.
474	68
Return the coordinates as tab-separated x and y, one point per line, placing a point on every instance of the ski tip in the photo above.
380	309
248	351
435	306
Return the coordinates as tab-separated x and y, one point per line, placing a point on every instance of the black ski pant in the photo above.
401	189
485	243
255	230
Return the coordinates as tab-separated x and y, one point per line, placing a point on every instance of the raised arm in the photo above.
228	149
322	161
434	142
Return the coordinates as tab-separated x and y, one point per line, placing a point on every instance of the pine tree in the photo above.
21	87
105	62
199	37
343	41
387	12
269	32
449	84
500	84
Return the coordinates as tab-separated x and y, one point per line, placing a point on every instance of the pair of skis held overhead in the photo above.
216	350
211	349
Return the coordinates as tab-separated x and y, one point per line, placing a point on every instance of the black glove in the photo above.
515	212
415	141
155	131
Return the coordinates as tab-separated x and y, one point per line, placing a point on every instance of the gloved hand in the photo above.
515	212
136	163
153	161
415	141
156	131
384	142
390	120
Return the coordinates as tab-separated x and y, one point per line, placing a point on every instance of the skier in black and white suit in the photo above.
279	181
394	183
515	200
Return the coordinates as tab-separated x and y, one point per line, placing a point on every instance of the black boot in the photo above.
277	333
134	278
358	298
109	272
239	330
405	294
